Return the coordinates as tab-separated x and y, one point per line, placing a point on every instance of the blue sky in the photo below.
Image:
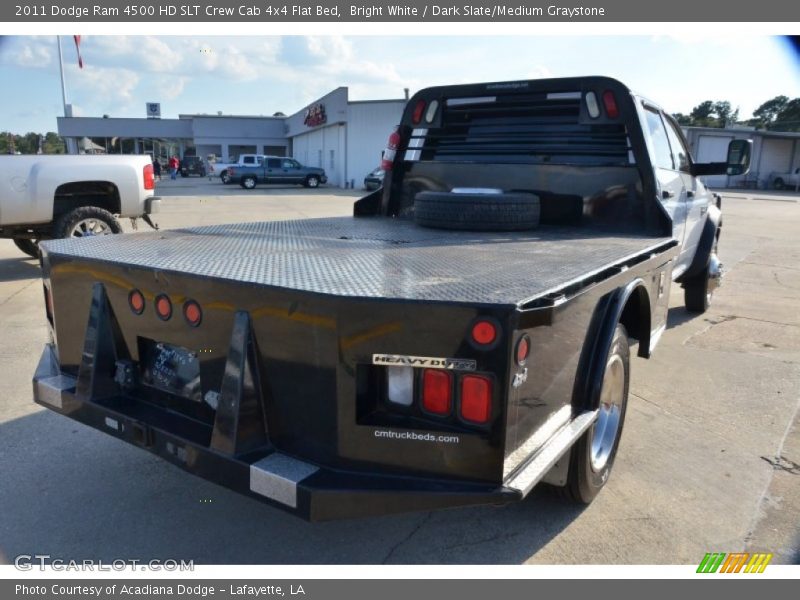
263	75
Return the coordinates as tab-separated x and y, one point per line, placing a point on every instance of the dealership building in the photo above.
342	136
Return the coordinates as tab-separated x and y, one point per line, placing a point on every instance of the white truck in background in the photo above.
46	197
220	169
785	181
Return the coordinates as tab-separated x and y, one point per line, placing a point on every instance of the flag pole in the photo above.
71	146
61	69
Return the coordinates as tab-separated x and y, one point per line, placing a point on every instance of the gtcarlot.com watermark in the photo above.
42	562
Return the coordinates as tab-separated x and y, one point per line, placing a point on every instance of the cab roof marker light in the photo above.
564	96
465	101
591	105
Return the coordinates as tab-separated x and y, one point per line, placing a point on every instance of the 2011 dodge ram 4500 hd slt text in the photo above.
464	336
45	197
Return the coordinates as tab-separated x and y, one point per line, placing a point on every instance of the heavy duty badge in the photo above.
426	362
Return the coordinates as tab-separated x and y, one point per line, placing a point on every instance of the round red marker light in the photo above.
523	349
136	301
163	307
192	313
484	333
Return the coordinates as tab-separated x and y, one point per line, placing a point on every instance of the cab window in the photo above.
273	163
680	154
658	135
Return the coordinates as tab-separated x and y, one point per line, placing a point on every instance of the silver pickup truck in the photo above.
46	197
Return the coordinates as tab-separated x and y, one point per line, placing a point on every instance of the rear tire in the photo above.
248	182
592	456
28	246
312	181
225	177
477	212
86	221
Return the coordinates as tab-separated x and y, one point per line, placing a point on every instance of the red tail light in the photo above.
192	313
149	178
437	391
523	349
476	399
484	333
391	150
416	116
610	102
231	171
136	301
163	307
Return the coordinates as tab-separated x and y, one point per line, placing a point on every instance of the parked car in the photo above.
374	179
243	160
464	336
784	181
192	165
276	169
45	197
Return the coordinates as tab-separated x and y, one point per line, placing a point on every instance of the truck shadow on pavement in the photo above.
74	493
18	269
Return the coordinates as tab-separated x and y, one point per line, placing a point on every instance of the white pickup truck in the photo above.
785	181
243	160
46	197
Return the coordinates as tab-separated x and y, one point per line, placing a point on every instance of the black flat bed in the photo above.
374	257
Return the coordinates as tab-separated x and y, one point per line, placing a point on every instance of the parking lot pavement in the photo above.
708	460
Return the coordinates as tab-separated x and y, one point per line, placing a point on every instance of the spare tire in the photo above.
477	212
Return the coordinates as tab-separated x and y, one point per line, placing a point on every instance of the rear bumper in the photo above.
307	490
152	205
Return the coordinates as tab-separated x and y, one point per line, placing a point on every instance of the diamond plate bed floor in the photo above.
372	257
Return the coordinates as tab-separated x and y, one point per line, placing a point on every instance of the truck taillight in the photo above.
437	391
231	171
391	150
163	307
400	385
149	177
136	302
476	399
192	313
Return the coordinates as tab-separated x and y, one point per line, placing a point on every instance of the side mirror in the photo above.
737	163
739	152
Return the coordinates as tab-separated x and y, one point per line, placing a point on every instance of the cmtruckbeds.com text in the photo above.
412	435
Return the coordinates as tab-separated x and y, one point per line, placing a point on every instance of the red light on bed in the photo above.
437	391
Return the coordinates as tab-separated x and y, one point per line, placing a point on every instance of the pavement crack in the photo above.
780	463
19	291
411	534
494	538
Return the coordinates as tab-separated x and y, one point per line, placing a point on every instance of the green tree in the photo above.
725	113
683	119
788	119
53	144
702	115
769	110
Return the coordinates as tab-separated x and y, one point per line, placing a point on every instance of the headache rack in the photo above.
537	128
